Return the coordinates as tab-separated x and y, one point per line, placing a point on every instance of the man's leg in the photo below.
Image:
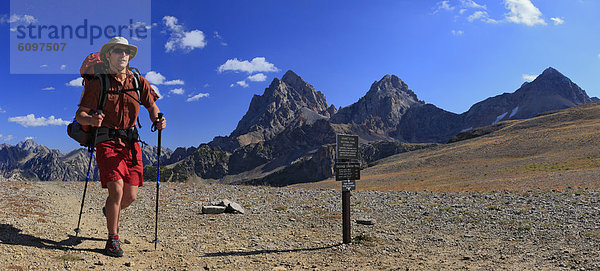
113	205
129	195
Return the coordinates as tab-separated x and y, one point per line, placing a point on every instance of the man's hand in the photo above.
160	123
96	119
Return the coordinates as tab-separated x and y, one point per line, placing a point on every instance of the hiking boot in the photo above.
113	248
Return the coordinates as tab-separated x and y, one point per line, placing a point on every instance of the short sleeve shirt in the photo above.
120	110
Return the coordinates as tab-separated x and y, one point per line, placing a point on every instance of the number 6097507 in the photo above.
41	46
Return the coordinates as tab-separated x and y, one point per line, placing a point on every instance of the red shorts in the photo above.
115	163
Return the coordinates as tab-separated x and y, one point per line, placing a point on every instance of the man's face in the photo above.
118	57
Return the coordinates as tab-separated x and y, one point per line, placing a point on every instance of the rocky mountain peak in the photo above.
384	104
291	78
28	145
552	82
551	72
272	112
551	76
391	83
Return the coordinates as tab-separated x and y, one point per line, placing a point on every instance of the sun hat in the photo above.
118	40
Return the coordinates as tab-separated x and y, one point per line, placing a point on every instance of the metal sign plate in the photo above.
346	146
347	171
348	185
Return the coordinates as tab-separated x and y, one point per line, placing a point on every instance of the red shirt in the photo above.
121	110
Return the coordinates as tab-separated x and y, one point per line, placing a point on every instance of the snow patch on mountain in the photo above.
499	118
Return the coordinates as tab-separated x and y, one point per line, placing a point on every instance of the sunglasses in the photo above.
119	51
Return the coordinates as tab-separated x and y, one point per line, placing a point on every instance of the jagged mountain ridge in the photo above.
29	161
285	122
550	91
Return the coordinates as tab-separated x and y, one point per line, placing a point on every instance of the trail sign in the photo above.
346	147
347	171
348	185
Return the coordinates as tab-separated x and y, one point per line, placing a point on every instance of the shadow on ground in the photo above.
265	251
12	236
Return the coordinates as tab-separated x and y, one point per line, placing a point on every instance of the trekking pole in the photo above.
91	150
160	115
78	230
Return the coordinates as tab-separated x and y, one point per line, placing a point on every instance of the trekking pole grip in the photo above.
154	128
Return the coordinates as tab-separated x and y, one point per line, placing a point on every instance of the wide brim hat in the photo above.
118	41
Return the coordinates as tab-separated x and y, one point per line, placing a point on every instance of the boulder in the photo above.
230	207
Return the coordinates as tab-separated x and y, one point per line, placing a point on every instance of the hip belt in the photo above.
131	135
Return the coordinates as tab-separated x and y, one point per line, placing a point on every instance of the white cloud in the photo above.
174	82
481	15
16	18
29	137
529	77
259	77
443	5
155	88
155	78
6	138
138	24
158	79
523	12
44	66
1	108
193	39
557	21
258	64
242	83
48	88
63	67
4	111
457	32
178	91
472	4
219	37
180	39
75	82
171	23
197	97
31	121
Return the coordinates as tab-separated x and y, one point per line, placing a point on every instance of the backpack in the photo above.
93	67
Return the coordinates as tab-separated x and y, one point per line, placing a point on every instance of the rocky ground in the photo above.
297	229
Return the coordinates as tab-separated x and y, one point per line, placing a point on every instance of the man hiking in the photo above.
118	153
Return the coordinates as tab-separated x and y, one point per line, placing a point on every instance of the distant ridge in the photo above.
550	91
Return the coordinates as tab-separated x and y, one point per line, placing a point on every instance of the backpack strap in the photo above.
104	87
137	87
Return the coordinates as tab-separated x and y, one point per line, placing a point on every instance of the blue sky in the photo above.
208	58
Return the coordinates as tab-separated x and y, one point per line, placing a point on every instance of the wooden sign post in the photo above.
348	172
